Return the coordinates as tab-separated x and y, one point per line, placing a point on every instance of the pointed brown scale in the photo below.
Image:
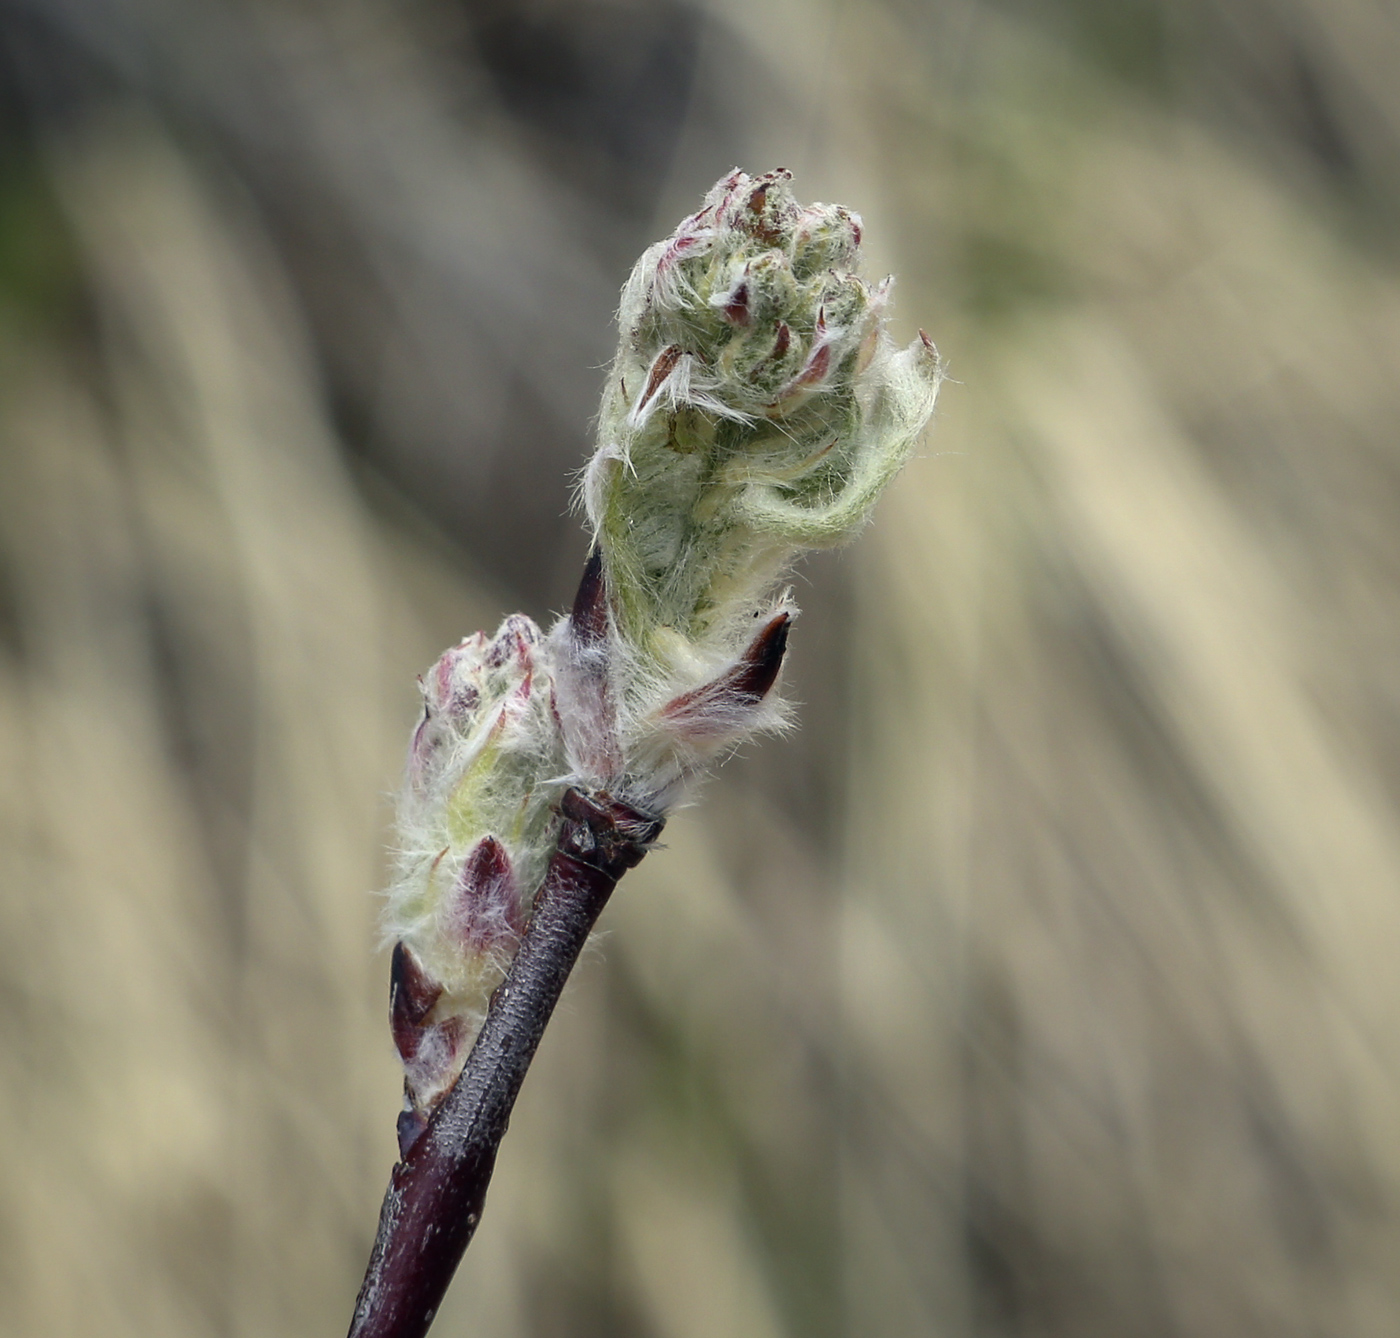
588	619
736	309
758	668
664	365
816	369
412	996
411	1124
781	341
487	870
588	706
711	707
484	902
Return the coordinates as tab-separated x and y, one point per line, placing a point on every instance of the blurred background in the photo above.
1044	984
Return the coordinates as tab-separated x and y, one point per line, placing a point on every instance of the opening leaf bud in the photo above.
756	408
476	827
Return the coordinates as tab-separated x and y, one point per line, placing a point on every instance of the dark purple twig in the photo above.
436	1192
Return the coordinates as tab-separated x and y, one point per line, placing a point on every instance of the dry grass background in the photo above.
1044	985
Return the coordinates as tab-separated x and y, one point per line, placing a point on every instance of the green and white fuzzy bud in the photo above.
756	408
476	822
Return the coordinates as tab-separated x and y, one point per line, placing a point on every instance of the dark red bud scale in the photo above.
736	310
588	619
816	368
664	365
713	705
487	879
412	995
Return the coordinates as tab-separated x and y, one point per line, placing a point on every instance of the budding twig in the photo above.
768	409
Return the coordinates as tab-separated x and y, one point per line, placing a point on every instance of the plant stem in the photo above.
435	1195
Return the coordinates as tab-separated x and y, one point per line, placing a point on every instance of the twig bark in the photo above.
436	1193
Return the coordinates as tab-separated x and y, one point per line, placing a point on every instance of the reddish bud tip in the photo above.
815	370
411	1124
484	899
412	995
736	309
588	620
758	668
664	365
712	707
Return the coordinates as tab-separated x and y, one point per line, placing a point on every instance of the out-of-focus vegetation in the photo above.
1044	984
